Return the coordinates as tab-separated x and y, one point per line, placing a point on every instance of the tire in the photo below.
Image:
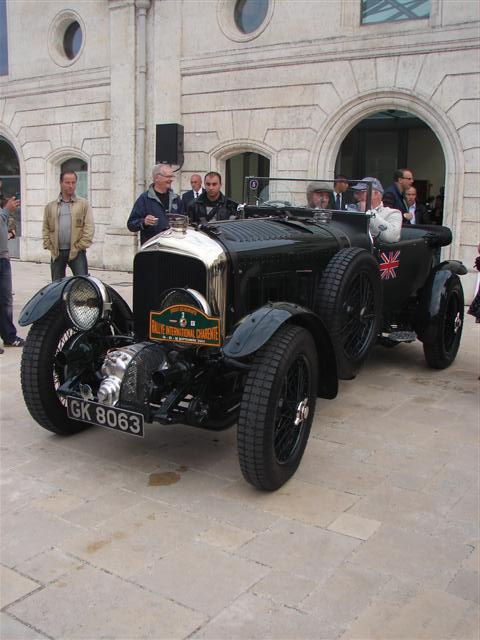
440	353
41	376
349	301
277	408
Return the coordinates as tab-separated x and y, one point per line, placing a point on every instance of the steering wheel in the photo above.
277	203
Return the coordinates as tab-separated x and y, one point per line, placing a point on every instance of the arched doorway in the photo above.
392	139
10	185
335	128
237	167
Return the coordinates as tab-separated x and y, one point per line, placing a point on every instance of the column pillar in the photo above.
127	122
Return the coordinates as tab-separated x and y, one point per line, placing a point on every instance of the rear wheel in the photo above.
277	408
441	352
41	374
349	302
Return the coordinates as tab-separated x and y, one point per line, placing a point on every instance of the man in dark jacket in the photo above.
194	192
417	213
341	196
212	204
394	195
149	213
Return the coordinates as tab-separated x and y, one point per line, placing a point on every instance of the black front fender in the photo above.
50	295
41	303
258	327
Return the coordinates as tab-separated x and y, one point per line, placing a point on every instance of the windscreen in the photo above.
339	194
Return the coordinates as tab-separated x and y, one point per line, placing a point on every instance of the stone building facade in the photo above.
291	90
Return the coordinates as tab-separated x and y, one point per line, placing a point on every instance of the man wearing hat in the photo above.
385	223
318	195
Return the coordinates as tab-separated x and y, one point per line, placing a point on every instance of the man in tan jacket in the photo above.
68	229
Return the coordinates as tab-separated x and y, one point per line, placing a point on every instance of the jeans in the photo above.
78	265
8	331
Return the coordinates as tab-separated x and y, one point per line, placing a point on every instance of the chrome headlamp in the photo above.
87	302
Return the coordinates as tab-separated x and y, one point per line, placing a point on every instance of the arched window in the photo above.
81	169
238	167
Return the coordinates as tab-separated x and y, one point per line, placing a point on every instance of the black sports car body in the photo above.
245	321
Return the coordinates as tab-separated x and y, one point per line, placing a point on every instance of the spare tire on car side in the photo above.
349	301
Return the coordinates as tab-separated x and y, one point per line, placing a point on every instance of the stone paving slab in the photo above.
376	536
14	586
91	603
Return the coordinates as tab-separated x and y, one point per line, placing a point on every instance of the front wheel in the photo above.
41	375
442	351
277	407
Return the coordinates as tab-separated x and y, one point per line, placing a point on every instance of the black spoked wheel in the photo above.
41	374
349	302
440	353
277	408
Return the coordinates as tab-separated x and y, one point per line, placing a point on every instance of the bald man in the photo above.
195	191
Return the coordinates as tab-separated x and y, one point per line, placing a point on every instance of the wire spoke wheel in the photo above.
453	322
292	411
277	408
42	374
58	371
359	316
442	351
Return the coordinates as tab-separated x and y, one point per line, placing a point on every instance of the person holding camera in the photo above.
8	331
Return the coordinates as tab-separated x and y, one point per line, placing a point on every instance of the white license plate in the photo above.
105	416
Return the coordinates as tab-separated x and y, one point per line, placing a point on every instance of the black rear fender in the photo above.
258	327
455	266
433	296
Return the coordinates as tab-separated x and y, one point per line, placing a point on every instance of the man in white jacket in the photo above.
386	223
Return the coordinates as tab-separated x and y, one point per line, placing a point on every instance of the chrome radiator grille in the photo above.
154	273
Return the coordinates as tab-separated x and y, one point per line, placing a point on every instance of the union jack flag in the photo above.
389	263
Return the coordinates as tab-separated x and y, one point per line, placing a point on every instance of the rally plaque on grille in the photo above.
184	324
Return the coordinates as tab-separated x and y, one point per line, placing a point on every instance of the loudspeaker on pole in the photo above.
169	143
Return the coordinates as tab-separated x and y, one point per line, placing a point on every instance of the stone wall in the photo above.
51	110
295	100
291	91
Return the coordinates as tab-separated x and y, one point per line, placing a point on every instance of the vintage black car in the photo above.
244	321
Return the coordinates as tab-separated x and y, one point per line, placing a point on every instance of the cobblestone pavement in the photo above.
376	536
